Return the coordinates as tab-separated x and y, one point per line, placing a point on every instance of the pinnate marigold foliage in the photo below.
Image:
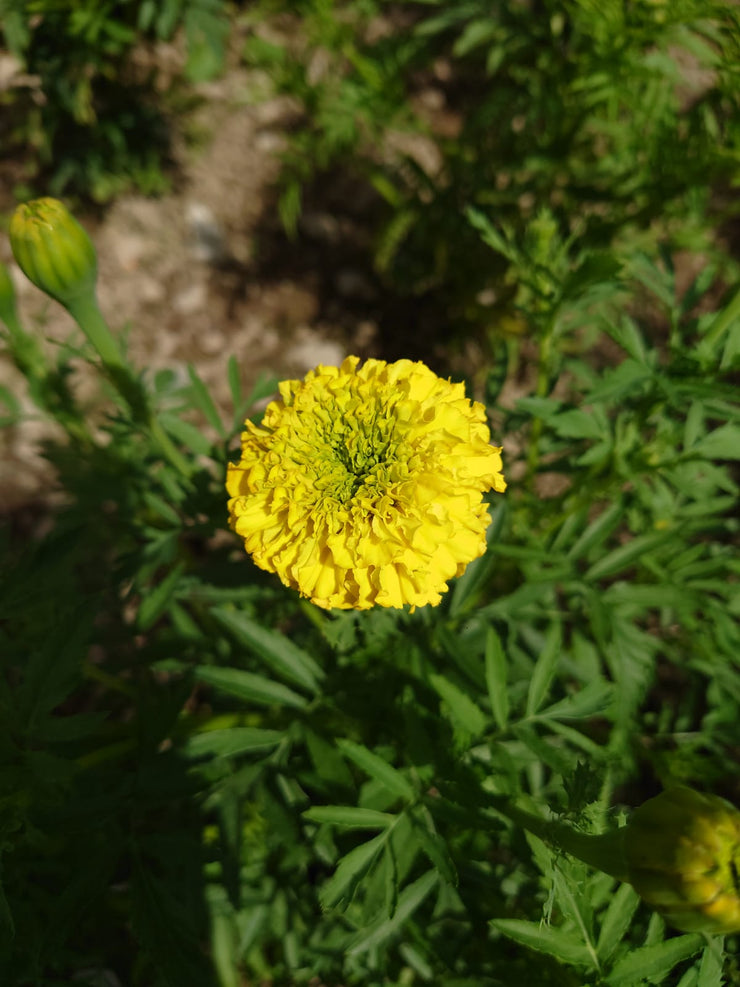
363	485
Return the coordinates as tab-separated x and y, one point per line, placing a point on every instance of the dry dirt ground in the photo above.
206	272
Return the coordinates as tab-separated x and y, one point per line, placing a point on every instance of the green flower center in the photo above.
357	456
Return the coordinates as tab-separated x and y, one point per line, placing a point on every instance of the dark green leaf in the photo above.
154	602
190	436
350	870
465	714
284	657
564	946
544	669
622	558
388	776
654	961
498	693
203	401
349	817
408	901
252	688
232	741
598	531
616	921
722	443
433	845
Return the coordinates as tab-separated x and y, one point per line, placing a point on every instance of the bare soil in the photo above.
206	271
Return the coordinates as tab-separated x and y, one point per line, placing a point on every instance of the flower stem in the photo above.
86	313
604	851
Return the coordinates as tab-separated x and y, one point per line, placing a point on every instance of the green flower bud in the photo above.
53	250
682	851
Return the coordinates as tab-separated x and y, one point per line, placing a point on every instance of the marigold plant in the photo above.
364	486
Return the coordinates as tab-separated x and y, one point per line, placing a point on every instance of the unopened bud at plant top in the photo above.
53	250
682	851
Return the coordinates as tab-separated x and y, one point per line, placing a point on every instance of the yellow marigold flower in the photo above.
363	486
682	851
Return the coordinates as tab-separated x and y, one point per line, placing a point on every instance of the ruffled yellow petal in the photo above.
364	485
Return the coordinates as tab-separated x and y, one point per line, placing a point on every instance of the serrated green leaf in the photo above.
250	687
432	844
463	711
235	382
598	531
629	337
712	964
202	400
490	235
628	377
731	352
694	425
578	424
623	557
408	901
616	921
350	871
155	601
689	979
722	443
555	755
475	33
388	776
280	653
190	436
544	669
599	452
593	698
564	946
654	961
160	507
225	948
349	817
327	762
232	741
168	931
496	678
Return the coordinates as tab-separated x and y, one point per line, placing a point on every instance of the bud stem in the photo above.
86	313
603	852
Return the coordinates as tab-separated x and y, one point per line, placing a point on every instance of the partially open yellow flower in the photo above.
363	486
682	850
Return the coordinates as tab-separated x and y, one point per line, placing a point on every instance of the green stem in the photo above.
604	852
86	313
